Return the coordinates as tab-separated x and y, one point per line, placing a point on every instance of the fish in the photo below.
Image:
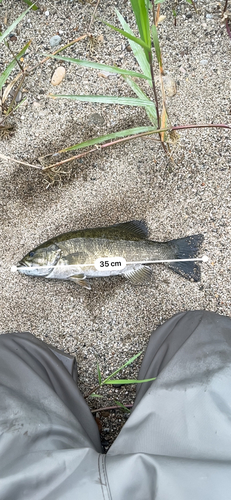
122	249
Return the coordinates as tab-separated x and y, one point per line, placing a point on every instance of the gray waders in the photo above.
176	445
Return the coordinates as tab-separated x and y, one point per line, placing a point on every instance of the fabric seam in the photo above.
105	488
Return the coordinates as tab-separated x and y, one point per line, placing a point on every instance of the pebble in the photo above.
204	61
58	76
55	40
96	119
47	13
18	96
13	38
169	85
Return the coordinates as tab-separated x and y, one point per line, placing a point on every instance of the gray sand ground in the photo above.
113	321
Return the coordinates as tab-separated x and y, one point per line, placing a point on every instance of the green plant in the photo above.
7	88
156	111
31	4
142	50
18	80
111	381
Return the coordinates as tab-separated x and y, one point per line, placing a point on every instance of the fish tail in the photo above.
187	248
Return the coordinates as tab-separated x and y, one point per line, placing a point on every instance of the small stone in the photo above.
55	40
13	38
47	13
96	119
209	16
58	76
204	61
128	48
18	96
169	85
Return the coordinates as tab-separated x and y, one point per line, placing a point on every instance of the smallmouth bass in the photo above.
122	249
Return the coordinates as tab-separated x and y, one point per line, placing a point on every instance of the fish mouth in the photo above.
31	269
24	268
22	264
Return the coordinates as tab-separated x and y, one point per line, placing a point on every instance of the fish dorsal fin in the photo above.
140	274
133	230
80	279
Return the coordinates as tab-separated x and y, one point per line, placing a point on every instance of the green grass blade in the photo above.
127	410
20	103
104	138
121	367
99	374
136	49
156	44
142	20
104	99
11	66
13	25
150	110
104	67
139	41
127	381
32	4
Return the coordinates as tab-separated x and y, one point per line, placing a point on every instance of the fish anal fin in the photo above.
80	279
139	275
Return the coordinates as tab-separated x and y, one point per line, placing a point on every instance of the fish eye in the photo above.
31	254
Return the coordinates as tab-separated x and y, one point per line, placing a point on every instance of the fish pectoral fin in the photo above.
80	279
138	275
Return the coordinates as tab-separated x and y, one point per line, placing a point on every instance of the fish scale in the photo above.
130	250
